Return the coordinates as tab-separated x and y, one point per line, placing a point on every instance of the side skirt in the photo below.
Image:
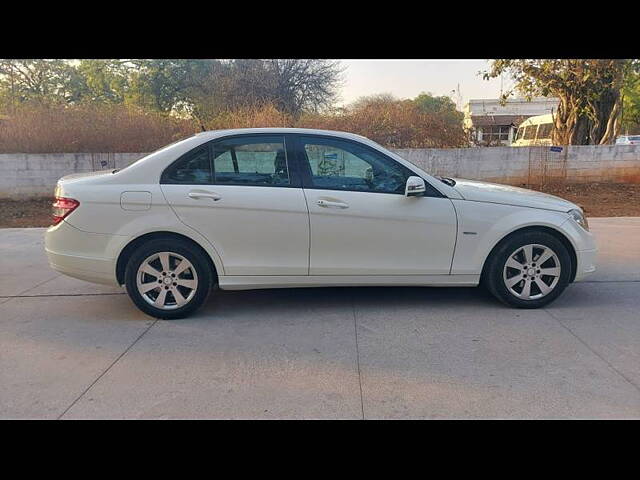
250	282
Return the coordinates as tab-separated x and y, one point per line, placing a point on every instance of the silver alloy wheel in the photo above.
532	271
167	280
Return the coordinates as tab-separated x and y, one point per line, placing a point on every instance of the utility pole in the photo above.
458	98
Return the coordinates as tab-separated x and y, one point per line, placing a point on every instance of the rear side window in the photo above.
194	168
259	161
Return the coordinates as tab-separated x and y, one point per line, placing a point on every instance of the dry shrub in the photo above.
89	128
394	124
116	128
250	117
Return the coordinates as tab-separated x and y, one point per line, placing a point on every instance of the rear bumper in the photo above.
83	255
95	270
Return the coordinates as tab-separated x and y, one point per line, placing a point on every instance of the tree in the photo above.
43	82
442	106
105	81
631	101
160	85
293	86
589	93
220	86
201	89
155	85
430	104
304	85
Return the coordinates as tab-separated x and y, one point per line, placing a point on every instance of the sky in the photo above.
408	78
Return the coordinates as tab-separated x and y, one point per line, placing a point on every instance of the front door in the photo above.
241	194
361	221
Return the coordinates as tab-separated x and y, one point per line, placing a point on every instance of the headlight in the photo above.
580	219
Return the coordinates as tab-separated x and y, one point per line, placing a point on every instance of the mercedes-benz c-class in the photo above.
279	207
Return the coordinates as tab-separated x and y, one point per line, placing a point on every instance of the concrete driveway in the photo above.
70	349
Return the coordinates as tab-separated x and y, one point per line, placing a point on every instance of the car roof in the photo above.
211	134
538	120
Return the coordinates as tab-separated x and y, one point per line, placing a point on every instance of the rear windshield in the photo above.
154	152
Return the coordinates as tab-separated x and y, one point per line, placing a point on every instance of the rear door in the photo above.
243	193
361	221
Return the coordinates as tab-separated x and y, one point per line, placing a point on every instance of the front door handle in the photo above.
330	204
197	195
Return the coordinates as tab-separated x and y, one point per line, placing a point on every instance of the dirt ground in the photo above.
26	213
597	200
602	199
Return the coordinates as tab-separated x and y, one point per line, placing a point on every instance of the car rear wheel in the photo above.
168	278
528	270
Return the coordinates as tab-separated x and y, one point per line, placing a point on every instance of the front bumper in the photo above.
83	255
586	263
584	244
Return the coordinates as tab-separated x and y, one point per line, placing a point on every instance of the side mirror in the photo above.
415	187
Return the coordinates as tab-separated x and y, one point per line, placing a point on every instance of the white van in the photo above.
534	131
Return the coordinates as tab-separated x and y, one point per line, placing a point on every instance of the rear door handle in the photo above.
330	204
197	195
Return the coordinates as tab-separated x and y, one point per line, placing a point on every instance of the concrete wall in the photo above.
25	175
532	165
28	175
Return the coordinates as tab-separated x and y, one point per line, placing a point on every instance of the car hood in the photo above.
507	195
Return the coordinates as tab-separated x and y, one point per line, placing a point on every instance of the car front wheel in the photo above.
168	278
529	270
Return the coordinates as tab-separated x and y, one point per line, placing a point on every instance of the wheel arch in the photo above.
537	228
130	247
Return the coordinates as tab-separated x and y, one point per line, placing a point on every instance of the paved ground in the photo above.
70	349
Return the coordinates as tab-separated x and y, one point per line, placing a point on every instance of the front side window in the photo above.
343	165
193	168
258	161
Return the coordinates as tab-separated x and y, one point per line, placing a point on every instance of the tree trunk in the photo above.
612	126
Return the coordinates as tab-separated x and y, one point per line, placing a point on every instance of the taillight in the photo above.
62	207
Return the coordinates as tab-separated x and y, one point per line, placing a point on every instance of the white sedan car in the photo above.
278	207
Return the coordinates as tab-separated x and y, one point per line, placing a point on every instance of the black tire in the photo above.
205	276
493	273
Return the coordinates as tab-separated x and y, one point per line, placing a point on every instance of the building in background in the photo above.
491	123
